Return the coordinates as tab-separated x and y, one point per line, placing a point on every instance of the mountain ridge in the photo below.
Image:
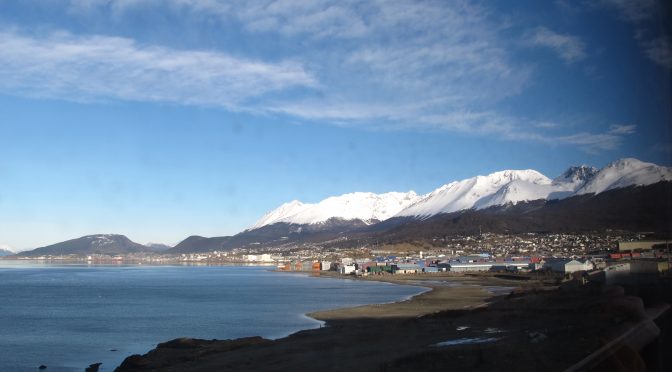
479	192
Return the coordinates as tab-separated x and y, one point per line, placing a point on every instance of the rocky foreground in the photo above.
550	329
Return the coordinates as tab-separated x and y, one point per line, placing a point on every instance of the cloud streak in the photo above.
633	10
99	67
659	51
569	48
516	129
622	129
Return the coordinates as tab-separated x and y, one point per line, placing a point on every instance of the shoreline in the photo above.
436	298
443	292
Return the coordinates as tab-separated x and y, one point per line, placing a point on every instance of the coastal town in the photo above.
604	256
561	254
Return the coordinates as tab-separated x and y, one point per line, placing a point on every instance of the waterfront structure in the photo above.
469	266
567	265
407	268
456	266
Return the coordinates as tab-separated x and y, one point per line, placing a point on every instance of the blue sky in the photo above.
162	119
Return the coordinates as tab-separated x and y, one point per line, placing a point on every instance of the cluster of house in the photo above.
635	260
471	263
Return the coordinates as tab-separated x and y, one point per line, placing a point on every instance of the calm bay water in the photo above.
69	316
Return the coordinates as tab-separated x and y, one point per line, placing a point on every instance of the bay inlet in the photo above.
69	316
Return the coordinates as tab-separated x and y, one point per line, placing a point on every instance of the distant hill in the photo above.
270	235
110	244
195	244
158	247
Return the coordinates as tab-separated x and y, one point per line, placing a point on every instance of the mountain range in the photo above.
507	187
626	194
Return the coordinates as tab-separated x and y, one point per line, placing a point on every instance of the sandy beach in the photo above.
443	293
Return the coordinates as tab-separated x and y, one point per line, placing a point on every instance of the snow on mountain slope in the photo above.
561	187
501	188
517	191
365	206
466	194
623	173
282	212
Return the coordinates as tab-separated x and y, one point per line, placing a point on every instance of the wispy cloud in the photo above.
510	128
659	51
622	129
569	48
647	16
591	142
100	67
413	45
547	125
633	10
317	19
410	65
665	148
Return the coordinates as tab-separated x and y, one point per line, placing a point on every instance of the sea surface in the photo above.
69	316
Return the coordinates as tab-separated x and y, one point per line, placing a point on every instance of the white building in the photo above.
567	265
348	269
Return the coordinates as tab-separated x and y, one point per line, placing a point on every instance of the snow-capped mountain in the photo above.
365	206
480	192
623	173
511	187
